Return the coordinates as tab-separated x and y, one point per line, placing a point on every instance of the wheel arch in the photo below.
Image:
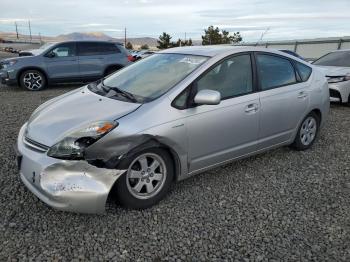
318	113
20	72
154	143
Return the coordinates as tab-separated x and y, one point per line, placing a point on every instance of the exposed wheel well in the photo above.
318	113
153	143
112	68
31	68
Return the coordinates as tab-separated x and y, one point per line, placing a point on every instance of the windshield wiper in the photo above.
125	94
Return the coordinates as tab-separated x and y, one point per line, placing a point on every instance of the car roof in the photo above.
88	41
214	50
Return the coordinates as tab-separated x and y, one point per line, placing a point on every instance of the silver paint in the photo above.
198	138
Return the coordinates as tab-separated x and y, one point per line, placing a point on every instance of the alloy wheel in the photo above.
33	81
308	131
146	176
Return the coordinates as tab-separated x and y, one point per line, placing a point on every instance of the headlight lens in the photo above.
9	63
74	144
339	79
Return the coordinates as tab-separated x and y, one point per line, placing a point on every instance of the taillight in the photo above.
131	58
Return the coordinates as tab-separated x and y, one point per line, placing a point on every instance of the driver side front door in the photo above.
62	63
218	133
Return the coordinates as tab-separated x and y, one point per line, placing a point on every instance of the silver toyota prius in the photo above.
172	115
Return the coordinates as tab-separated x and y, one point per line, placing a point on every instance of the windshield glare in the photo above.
46	46
334	59
155	75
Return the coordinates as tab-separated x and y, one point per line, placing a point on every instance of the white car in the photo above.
336	66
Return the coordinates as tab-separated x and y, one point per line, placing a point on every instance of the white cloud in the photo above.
288	18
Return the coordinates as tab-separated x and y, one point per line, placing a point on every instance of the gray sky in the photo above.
285	19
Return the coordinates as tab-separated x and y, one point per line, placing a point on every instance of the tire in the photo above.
143	185
307	132
33	80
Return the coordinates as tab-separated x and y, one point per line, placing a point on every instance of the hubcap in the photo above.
308	131
32	81
146	176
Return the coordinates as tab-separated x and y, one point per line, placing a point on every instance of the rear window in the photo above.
94	48
304	71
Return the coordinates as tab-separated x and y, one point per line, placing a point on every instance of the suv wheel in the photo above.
307	132
32	80
148	178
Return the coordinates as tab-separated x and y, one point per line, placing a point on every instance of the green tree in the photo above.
129	46
213	36
145	46
164	41
182	43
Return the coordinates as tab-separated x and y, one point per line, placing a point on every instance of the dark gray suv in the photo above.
73	61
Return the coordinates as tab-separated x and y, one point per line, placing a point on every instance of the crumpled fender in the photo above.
79	186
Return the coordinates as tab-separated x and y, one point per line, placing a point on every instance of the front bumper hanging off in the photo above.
73	186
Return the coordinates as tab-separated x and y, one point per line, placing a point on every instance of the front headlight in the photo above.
9	63
338	79
73	145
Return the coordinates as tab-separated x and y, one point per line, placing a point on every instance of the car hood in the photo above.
334	70
62	115
34	52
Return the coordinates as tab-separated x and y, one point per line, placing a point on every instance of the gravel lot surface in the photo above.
281	205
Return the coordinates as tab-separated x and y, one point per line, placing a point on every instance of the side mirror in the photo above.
51	55
207	97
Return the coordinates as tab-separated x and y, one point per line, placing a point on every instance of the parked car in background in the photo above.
175	114
72	61
336	66
142	54
292	53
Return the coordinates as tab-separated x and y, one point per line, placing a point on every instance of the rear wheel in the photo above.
307	132
32	80
148	178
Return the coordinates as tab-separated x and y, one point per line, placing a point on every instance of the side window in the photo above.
180	101
232	77
274	71
108	48
88	48
304	71
64	50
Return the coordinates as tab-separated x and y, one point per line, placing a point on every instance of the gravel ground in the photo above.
281	205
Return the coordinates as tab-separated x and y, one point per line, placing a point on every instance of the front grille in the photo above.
35	145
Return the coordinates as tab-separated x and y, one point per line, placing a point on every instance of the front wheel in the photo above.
149	176
307	132
32	80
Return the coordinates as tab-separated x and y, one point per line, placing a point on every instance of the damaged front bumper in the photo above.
66	185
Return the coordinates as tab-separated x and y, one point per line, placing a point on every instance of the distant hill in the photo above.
135	41
85	36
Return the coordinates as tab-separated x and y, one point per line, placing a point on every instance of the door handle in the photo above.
251	108
302	94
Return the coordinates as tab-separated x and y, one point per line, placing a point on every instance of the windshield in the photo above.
339	58
150	78
47	45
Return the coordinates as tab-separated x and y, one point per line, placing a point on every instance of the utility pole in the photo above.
125	37
16	29
40	38
30	31
185	37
